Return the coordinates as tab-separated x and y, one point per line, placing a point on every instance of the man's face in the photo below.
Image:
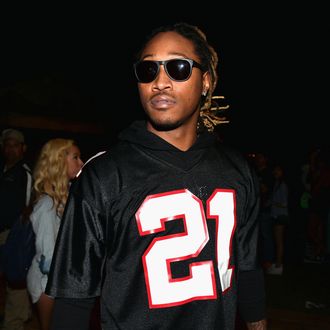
170	104
13	151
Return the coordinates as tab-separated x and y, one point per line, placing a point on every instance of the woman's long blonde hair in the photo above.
50	172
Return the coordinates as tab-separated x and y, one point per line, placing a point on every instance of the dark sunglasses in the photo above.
178	69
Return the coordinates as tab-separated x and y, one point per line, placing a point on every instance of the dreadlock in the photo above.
211	113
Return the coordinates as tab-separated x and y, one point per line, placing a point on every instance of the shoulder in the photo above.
43	214
21	171
45	202
105	162
92	175
23	166
93	162
101	176
26	167
236	164
232	155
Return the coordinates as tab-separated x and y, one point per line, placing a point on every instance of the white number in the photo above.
163	289
221	207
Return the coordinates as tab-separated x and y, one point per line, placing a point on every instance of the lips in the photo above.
162	101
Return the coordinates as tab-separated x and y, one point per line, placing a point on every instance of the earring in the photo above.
204	93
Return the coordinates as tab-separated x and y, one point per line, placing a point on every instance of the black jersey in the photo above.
159	233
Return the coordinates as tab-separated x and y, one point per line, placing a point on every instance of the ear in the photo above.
206	83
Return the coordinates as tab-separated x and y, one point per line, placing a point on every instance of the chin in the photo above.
164	125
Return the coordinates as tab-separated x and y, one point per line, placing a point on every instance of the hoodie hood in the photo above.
137	134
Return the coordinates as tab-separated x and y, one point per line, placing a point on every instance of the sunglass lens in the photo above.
146	71
179	70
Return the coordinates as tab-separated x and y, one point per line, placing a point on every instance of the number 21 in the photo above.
163	290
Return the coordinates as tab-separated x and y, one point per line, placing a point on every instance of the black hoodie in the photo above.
166	237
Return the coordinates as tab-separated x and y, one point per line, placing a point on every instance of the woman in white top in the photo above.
58	163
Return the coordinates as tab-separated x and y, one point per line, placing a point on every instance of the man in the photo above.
15	191
163	226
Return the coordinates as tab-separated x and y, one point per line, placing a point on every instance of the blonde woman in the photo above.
58	163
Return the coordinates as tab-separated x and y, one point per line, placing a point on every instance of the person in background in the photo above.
279	213
319	208
163	226
309	171
15	193
57	165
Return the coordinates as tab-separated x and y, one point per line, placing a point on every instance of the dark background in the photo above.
75	65
66	70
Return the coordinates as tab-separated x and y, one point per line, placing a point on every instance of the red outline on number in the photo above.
181	234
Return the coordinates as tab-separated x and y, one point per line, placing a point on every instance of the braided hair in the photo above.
211	114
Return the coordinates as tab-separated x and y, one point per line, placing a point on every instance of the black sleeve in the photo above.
80	251
251	295
72	314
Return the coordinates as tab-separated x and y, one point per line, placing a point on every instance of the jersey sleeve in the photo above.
80	250
252	295
248	227
71	314
251	288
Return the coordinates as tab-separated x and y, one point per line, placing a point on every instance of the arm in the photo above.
251	299
251	287
80	250
71	314
45	225
259	325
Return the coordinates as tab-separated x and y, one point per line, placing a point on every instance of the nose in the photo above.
162	81
81	163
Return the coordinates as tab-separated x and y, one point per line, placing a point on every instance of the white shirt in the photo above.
46	223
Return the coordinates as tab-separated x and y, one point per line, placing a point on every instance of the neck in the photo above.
182	137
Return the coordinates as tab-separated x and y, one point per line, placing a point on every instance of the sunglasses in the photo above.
178	69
